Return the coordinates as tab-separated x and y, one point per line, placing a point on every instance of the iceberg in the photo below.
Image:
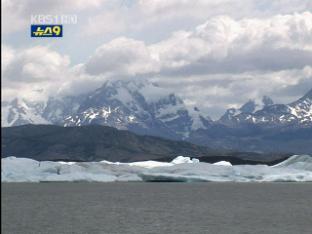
300	162
152	164
181	160
222	163
182	169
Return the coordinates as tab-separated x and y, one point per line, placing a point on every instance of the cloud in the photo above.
34	65
121	56
35	68
200	10
7	55
156	19
38	72
223	44
220	45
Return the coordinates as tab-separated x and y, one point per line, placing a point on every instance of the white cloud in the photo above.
38	72
220	45
7	55
121	56
35	64
29	70
156	18
225	44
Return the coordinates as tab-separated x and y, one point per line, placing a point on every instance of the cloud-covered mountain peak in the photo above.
140	106
267	101
19	112
246	111
248	107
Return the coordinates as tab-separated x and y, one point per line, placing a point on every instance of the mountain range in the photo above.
148	109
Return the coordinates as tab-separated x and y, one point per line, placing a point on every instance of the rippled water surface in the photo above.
156	208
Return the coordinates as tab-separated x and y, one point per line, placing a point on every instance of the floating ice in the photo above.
301	162
223	163
145	164
181	159
296	168
152	164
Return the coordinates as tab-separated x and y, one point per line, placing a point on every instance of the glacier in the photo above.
297	168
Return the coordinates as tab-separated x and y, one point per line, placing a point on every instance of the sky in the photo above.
215	54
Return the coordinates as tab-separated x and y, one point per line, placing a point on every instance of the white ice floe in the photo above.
152	164
181	160
223	163
144	164
301	162
296	168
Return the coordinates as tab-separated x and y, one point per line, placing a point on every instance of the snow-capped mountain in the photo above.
19	112
302	109
147	109
296	113
140	106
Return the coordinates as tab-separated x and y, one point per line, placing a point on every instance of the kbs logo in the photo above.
44	30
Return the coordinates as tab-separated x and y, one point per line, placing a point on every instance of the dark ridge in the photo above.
96	143
91	143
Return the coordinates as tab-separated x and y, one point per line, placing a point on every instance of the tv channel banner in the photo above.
46	30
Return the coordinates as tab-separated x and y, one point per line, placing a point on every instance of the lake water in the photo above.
134	208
